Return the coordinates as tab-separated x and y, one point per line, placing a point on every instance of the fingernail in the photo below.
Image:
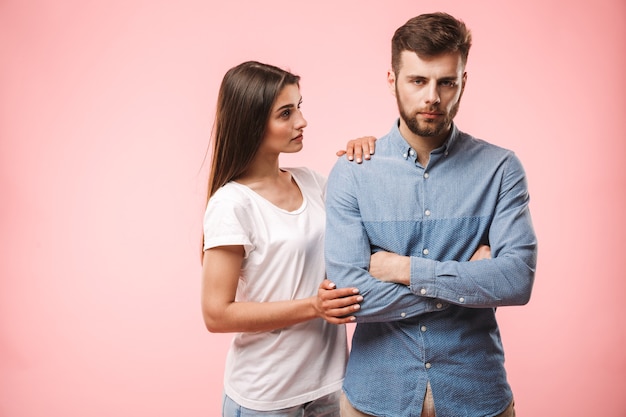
355	291
356	307
359	299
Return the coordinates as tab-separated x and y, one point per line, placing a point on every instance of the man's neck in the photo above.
423	145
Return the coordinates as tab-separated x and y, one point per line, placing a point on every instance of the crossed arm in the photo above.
425	284
391	267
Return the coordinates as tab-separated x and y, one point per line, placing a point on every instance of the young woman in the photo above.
263	260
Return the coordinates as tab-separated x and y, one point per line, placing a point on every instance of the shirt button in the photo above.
411	152
439	305
404	155
446	153
427	212
402	314
426	175
423	328
425	251
423	291
427	365
461	300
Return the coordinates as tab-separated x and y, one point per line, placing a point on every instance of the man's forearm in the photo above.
391	267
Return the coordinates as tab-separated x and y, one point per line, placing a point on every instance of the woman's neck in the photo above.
261	170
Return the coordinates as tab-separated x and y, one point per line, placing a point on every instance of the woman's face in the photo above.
284	132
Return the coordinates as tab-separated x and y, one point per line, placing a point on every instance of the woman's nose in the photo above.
301	123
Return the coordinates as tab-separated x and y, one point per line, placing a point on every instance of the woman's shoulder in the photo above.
301	171
306	175
231	194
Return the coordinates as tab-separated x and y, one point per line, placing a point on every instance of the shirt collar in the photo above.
405	149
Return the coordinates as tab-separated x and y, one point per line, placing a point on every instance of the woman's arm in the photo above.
220	275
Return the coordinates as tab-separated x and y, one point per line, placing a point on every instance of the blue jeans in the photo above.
327	406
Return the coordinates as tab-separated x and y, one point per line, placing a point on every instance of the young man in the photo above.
448	214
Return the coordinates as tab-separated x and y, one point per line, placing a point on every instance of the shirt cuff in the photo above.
423	277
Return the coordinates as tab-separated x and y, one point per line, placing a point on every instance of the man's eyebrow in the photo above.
445	77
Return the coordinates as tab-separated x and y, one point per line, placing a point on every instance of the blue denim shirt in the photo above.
442	328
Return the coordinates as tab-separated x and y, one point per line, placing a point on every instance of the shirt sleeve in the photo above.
348	251
508	277
227	222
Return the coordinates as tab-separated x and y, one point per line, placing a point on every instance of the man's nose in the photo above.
432	96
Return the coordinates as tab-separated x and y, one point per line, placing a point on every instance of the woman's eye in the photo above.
285	114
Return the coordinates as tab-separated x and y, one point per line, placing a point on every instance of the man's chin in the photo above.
426	129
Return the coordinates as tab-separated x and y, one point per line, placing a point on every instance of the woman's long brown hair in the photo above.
244	104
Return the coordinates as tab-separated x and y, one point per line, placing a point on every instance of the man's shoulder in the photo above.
467	142
383	151
469	148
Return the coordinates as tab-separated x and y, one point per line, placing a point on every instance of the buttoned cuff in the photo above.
423	277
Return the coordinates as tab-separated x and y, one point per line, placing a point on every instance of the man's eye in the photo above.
448	83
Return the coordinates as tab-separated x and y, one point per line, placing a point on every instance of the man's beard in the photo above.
428	128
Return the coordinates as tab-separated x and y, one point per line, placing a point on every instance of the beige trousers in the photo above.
428	410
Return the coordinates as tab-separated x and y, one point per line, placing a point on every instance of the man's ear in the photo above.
463	82
391	81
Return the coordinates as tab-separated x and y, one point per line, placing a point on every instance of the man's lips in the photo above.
430	114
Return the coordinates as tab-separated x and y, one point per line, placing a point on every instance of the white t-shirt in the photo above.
284	260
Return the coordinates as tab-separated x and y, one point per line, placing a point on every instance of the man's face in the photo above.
428	91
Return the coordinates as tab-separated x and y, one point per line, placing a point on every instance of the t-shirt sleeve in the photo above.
227	222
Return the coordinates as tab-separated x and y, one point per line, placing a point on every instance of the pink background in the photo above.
105	114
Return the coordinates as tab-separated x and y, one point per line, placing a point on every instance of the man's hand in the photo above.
390	267
483	252
360	148
336	305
